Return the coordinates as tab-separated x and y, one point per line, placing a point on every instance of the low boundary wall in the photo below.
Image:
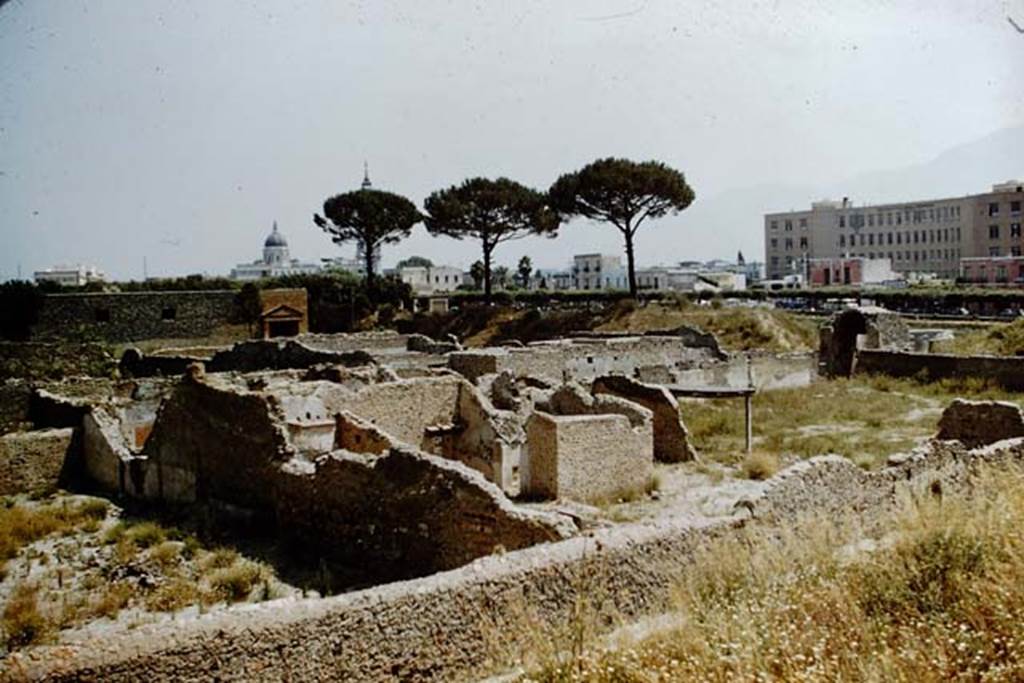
1006	371
444	626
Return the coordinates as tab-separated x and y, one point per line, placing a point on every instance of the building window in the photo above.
993	209
871	220
899	238
1015	208
789	226
842	240
169	313
803	222
775	243
775	261
1014	251
803	242
993	251
101	315
842	221
993	232
775	225
789	243
1014	229
890	238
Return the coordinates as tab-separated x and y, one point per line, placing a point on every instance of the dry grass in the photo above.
22	622
738	328
1000	339
760	465
21	525
939	597
864	419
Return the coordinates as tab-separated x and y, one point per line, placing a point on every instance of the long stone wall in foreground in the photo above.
444	627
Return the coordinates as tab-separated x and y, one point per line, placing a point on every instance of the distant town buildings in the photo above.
276	261
916	237
71	276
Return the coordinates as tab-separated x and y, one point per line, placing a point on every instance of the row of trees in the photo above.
620	192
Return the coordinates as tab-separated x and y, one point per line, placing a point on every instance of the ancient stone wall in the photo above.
580	360
128	316
671	439
976	423
589	458
15	398
1005	371
451	625
43	361
37	461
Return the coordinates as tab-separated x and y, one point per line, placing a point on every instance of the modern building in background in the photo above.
916	237
598	271
276	261
429	279
71	276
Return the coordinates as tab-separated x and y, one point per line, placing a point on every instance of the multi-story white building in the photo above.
598	271
275	262
917	237
71	276
430	279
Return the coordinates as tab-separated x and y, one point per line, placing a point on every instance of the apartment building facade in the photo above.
917	237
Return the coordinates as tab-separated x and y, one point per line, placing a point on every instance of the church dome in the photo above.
275	239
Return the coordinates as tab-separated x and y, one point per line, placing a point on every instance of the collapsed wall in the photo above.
469	622
361	496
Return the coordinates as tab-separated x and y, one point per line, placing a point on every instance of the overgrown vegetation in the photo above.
999	339
70	560
864	419
935	595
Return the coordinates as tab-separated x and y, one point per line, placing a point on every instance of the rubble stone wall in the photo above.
56	360
450	625
36	461
1005	371
128	316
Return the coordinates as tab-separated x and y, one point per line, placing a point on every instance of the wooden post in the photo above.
748	404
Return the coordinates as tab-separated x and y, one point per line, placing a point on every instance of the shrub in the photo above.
759	465
23	624
146	534
173	595
236	582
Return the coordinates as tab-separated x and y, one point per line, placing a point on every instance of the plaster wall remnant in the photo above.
978	423
671	438
439	627
587	448
580	359
854	329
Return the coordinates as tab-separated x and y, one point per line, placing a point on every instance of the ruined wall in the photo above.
580	360
37	461
15	398
449	626
403	513
590	458
42	361
128	316
1005	371
671	439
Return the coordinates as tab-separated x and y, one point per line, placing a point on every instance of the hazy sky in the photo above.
180	130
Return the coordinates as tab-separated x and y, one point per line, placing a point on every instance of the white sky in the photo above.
180	130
